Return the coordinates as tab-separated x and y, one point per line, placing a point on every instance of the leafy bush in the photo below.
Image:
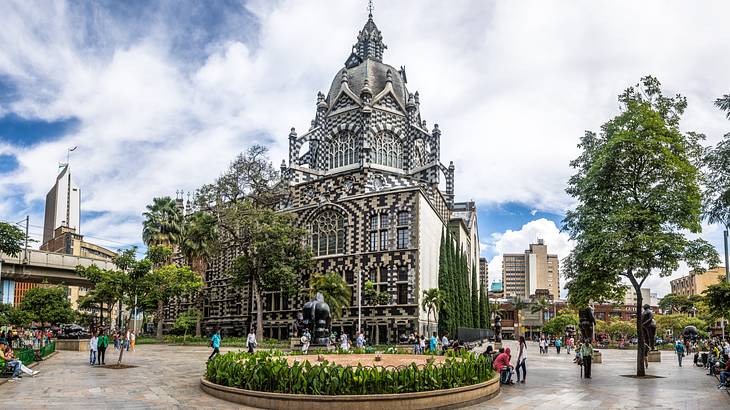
270	372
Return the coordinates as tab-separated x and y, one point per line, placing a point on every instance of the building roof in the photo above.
366	63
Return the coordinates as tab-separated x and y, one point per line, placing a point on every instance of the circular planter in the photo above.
456	397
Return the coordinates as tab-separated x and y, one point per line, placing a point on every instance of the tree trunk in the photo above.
160	311
640	371
259	312
200	268
428	321
101	314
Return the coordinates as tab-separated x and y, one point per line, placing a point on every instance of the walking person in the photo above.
558	344
126	340
103	342
679	349
307	338
116	340
569	345
215	343
251	341
586	353
132	339
521	358
93	347
422	344
432	343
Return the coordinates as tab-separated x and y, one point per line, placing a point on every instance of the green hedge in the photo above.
204	341
270	372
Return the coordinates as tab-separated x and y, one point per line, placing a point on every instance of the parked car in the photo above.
73	331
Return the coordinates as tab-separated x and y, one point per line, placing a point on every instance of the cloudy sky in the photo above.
160	96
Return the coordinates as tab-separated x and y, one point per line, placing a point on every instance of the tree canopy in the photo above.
336	292
11	239
556	326
47	304
638	193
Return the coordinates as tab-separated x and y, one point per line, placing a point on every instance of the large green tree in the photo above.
48	304
717	298
638	194
444	284
475	311
556	326
335	290
167	282
271	257
672	303
716	161
11	239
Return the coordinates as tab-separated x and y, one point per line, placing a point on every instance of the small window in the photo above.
402	238
404	218
403	273
384	221
374	241
402	293
383	240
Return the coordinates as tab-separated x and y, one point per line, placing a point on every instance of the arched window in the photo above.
343	150
328	233
387	150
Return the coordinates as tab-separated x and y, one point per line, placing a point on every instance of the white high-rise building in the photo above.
63	205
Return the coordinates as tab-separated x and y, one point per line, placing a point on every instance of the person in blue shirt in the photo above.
679	348
432	343
558	344
215	343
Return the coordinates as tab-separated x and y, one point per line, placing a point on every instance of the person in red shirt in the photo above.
501	365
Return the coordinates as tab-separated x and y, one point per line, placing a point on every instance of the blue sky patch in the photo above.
511	215
24	132
8	163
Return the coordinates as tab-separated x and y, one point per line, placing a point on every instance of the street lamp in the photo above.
1	281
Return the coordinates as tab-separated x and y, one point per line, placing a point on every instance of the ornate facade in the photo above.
364	181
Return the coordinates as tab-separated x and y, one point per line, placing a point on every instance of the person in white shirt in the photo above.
445	342
251	341
92	348
344	342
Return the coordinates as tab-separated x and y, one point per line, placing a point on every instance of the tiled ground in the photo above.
553	382
168	377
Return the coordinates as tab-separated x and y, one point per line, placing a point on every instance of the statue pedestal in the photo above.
597	356
294	342
497	346
654	356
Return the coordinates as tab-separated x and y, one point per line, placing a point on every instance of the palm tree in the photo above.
433	300
163	223
542	305
335	290
518	304
723	103
198	243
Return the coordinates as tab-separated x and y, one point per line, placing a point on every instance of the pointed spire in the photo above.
370	40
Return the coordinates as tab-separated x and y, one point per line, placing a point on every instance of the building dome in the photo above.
377	76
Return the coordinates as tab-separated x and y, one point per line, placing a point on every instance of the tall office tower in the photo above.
523	274
63	205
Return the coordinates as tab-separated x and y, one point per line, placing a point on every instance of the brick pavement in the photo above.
168	378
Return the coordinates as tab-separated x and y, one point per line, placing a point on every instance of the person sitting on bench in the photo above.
501	365
17	365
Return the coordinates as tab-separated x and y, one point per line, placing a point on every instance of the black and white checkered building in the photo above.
364	181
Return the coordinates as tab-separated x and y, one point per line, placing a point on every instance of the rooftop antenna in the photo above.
370	8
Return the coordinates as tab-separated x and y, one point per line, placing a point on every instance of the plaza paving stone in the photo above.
167	377
554	382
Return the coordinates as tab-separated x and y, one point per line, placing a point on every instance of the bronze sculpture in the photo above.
316	319
587	322
497	328
648	327
690	333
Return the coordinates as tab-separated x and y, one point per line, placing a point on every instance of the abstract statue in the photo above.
497	328
690	333
316	319
569	331
587	321
648	327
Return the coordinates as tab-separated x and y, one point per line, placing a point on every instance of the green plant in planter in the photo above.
270	372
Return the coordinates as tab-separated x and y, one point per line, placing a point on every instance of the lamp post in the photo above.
2	288
359	303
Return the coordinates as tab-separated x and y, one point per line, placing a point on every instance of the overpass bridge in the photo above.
38	266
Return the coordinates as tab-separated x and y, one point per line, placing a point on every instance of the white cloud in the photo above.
517	241
513	85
